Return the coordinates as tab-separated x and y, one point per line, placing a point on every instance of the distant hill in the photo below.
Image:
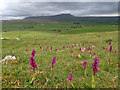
69	17
63	17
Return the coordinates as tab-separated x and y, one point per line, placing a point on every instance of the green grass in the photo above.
97	28
60	26
17	73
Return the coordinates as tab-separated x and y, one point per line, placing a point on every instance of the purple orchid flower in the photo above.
53	60
95	65
32	63
55	49
52	65
63	46
70	78
103	48
89	48
110	48
109	60
33	53
49	68
109	43
80	49
40	47
51	48
84	64
75	44
90	52
76	56
83	44
71	50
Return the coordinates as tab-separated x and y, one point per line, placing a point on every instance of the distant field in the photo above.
72	27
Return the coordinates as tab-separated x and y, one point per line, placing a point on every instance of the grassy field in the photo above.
72	35
61	27
17	73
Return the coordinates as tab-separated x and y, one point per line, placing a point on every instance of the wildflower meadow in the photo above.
47	60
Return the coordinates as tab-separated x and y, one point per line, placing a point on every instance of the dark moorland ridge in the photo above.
69	17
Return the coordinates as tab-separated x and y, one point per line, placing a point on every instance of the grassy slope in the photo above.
65	27
96	28
17	73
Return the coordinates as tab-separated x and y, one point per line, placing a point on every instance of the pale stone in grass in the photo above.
2	38
17	38
9	57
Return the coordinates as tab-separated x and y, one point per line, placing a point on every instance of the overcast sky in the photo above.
19	9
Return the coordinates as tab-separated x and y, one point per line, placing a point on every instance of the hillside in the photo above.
62	23
69	17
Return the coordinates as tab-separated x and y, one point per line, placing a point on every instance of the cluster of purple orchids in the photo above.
32	61
110	49
84	67
95	65
51	48
84	49
53	61
75	45
84	64
70	77
92	54
81	49
71	51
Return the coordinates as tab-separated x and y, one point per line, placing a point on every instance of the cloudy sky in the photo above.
18	9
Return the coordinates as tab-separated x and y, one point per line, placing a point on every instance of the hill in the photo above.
61	17
69	17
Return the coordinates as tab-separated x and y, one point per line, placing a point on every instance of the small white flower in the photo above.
83	49
93	45
79	56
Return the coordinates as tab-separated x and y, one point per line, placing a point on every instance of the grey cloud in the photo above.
17	9
62	0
